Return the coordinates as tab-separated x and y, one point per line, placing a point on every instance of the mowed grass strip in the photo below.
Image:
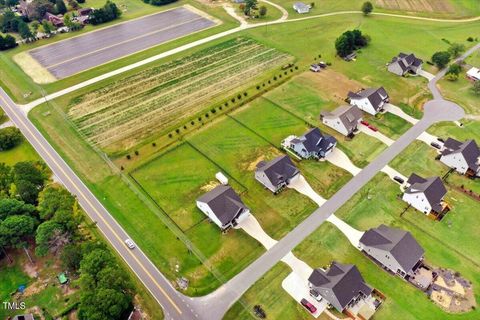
170	93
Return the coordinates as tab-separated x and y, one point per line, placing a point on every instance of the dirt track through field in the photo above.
416	5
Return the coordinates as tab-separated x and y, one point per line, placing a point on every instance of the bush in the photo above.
7	42
128	157
470	39
213	110
239	96
245	94
441	59
258	87
10	137
170	135
192	122
177	131
350	41
233	100
206	115
136	152
107	13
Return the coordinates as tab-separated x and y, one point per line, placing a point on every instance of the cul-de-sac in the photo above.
239	159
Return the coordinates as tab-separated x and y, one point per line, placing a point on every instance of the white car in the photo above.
130	243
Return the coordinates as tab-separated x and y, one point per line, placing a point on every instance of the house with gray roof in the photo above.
464	157
341	285
370	100
301	7
405	63
313	144
426	195
223	206
343	119
277	173
394	249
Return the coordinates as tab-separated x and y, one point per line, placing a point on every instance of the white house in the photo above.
343	119
223	206
370	100
313	144
426	195
301	7
461	156
405	63
473	74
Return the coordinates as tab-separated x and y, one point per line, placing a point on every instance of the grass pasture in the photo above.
156	99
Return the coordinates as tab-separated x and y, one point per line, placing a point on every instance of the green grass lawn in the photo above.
11	277
23	152
461	92
272	13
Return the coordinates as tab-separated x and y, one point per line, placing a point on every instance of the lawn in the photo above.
23	152
327	244
272	13
11	277
461	92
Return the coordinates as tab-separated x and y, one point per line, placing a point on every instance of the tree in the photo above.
95	261
6	179
38	8
49	237
350	41
441	59
109	12
249	6
262	11
24	31
367	8
53	199
103	304
47	26
11	207
14	231
456	49
454	69
71	257
9	21
60	7
10	137
476	88
35	25
28	180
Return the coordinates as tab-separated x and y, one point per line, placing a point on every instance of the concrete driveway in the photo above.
339	158
376	134
352	234
297	287
302	186
392	173
426	75
393	109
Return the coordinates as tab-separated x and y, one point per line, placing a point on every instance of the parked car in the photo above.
259	312
314	294
310	307
315	68
436	145
398	179
130	243
372	128
365	123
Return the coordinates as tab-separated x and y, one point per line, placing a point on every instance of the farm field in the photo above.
22	88
120	115
327	244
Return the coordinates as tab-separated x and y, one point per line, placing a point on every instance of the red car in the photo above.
372	128
310	307
365	123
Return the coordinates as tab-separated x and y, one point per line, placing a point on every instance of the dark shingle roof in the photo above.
342	282
278	170
469	150
400	243
375	95
348	115
432	187
405	61
315	141
224	202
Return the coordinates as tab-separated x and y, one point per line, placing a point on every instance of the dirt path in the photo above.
338	158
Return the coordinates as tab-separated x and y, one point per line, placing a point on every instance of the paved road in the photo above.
220	301
68	57
175	306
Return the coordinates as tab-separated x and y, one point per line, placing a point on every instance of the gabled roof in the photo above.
468	149
224	202
432	187
342	283
400	243
315	141
301	6
348	115
375	95
278	170
405	61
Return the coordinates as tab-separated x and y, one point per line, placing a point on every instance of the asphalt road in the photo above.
175	306
68	57
217	303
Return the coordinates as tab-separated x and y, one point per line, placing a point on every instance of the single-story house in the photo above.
343	119
370	100
426	195
341	285
405	63
55	20
313	144
464	157
394	249
301	7
473	74
277	173
223	206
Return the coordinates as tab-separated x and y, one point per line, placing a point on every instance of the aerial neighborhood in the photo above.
239	159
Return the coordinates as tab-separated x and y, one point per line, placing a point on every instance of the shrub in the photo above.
226	104
122	168
128	157
245	94
169	135
239	96
154	144
441	59
185	127
221	108
206	115
275	78
199	118
296	67
233	100
177	131
192	122
258	87
213	110
136	152
470	39
10	137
